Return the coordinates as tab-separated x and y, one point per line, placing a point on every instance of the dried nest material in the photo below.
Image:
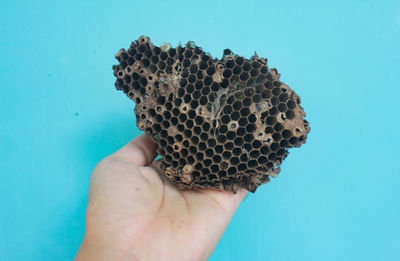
220	124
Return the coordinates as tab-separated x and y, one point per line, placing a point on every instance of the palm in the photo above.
148	215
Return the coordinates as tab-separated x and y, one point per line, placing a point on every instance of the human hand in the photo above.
134	213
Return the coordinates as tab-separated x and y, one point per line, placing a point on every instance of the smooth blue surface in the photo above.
337	198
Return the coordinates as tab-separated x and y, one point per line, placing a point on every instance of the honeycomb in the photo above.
220	124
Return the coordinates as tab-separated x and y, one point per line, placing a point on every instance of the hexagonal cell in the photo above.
222	129
209	152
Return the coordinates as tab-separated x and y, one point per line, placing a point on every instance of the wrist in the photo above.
96	248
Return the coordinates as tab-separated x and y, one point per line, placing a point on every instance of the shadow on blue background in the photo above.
336	197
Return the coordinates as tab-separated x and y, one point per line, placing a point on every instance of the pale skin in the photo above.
134	213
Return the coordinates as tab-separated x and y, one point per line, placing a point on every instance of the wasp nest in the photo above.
220	124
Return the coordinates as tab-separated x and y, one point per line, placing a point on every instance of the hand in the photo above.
134	213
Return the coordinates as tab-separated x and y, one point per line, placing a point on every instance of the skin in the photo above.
134	213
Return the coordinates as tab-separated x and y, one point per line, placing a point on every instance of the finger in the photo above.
227	201
141	151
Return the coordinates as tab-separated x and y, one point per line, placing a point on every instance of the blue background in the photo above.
337	198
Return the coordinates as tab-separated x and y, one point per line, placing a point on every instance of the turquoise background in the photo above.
337	198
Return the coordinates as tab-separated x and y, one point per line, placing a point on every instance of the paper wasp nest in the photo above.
221	124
